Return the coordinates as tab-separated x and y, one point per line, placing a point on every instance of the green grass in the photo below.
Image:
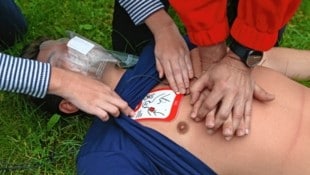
31	141
35	143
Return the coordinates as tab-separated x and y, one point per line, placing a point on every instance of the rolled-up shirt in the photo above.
24	76
139	10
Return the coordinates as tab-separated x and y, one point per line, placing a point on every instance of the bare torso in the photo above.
278	143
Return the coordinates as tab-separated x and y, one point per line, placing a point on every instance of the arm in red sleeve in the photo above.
205	20
258	22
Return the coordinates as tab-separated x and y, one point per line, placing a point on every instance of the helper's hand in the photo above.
171	51
89	95
228	129
231	92
173	60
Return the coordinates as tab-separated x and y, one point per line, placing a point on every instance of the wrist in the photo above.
56	80
234	61
159	21
234	56
248	56
213	53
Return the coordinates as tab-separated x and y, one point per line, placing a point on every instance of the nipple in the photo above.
182	127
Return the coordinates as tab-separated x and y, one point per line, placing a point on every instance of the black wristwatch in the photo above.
248	56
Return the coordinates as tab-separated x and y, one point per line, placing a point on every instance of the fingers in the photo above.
231	112
120	106
240	113
241	131
198	109
183	72
188	72
238	121
224	111
183	79
216	99
235	123
247	117
178	74
210	121
175	77
115	105
159	68
189	66
228	129
112	105
101	114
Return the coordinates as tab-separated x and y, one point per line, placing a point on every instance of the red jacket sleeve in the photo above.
256	25
259	21
205	20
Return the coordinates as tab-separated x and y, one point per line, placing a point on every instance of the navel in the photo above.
182	127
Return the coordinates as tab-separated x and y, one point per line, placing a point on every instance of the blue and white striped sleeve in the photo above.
24	76
139	10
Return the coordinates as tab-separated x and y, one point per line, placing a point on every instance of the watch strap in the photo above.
240	50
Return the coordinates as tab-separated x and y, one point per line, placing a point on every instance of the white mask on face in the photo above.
125	60
88	57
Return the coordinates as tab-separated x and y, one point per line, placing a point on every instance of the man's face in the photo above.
57	53
78	55
51	48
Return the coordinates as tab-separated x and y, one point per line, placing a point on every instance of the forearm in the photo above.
140	10
293	63
258	22
24	76
205	20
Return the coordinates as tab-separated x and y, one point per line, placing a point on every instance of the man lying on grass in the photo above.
162	138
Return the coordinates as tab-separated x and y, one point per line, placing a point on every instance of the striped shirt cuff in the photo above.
24	76
139	10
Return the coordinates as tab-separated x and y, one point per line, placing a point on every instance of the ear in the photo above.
67	107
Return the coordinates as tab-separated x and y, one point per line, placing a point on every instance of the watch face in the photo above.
254	58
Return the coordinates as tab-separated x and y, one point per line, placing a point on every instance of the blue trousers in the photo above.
12	24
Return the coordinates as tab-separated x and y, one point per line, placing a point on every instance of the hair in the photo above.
50	103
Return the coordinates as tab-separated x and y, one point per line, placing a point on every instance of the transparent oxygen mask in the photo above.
88	57
125	60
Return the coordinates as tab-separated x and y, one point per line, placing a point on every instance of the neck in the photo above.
112	75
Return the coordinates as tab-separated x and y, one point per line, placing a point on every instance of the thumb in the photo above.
198	86
262	95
